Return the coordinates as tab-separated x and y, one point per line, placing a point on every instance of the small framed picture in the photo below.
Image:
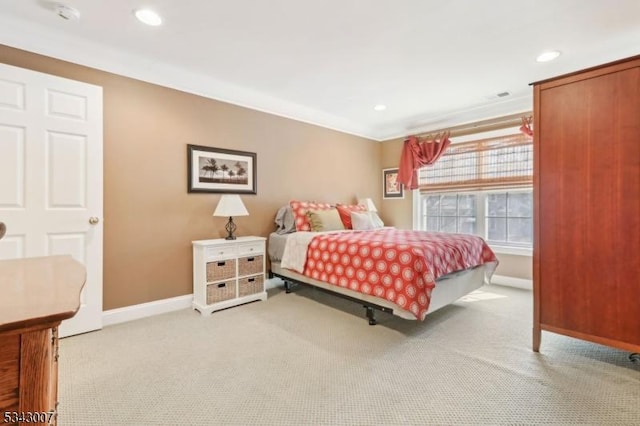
391	188
221	170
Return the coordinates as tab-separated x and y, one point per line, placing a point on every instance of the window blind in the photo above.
505	161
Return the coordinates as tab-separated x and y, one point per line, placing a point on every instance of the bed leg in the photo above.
287	287
635	358
371	315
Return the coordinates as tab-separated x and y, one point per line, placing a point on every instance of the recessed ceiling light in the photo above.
380	107
148	17
548	56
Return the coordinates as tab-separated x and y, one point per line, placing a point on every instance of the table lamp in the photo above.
229	206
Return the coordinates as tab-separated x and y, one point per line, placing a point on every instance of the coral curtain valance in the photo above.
417	153
526	126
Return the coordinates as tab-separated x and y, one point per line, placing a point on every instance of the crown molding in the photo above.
37	39
514	105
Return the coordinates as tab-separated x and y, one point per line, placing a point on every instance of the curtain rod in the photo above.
513	120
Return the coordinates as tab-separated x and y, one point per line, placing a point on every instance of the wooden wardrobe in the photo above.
586	256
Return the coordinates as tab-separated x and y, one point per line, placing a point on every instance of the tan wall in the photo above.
150	219
399	213
395	211
515	266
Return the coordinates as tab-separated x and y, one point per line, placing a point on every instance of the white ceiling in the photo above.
328	62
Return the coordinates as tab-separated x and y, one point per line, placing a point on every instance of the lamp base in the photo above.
230	227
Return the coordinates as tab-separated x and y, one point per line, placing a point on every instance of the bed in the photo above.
403	272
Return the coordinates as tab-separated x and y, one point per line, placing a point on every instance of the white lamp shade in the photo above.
230	205
368	203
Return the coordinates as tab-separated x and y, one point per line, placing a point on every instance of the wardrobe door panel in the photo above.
588	183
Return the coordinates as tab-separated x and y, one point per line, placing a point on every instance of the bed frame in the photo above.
449	288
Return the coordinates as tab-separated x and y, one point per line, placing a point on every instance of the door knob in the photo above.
93	220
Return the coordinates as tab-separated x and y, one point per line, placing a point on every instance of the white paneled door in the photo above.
51	177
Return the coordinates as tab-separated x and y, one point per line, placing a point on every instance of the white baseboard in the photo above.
143	310
512	282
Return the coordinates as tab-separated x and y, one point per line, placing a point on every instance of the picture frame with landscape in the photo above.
220	170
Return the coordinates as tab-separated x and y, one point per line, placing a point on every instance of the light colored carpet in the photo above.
309	358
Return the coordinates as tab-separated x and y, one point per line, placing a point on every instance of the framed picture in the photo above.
221	170
391	188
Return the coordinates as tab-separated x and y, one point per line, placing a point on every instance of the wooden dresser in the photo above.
36	294
586	257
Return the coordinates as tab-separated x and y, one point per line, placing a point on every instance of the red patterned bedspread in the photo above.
398	265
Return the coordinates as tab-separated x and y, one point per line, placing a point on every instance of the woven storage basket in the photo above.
221	270
250	285
221	291
250	265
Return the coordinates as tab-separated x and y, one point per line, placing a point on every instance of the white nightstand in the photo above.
228	273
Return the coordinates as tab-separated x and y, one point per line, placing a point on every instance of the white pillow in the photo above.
366	220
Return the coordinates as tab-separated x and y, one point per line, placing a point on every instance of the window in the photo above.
451	213
481	187
503	218
509	218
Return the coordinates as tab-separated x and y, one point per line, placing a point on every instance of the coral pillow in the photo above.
300	209
345	213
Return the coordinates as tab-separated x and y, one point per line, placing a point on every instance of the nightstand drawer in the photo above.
250	265
219	252
221	270
250	285
219	292
251	248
